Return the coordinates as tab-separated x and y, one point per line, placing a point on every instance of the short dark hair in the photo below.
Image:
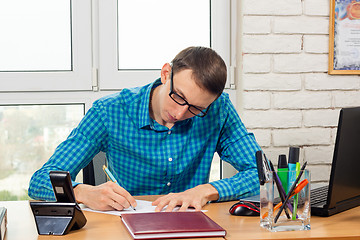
208	68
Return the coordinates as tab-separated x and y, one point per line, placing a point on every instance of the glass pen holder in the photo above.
296	213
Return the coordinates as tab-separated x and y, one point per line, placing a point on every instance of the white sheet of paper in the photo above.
142	207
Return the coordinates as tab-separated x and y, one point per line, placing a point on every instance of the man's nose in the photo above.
181	111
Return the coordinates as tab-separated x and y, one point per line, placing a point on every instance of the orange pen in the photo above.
298	188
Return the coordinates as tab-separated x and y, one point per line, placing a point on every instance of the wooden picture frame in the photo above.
344	37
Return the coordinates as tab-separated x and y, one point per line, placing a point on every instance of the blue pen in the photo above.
113	179
293	159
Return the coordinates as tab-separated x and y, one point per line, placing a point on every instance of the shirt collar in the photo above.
145	120
144	117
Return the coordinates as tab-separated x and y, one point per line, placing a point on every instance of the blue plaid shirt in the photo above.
149	158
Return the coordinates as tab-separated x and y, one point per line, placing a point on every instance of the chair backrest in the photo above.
93	173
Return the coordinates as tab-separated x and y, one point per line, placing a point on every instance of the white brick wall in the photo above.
257	63
288	99
316	7
347	99
272	44
262	100
302	137
263	136
275	82
321	118
266	119
316	44
301	25
323	81
319	154
300	63
319	172
256	24
272	7
302	100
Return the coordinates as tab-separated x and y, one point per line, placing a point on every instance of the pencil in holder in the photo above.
295	215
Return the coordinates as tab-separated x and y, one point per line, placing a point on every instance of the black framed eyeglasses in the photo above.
181	101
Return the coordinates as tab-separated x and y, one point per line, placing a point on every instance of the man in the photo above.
160	139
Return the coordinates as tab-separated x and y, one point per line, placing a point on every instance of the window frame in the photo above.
110	78
94	73
77	79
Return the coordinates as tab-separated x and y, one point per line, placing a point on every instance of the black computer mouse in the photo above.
244	208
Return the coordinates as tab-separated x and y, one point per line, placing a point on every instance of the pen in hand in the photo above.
112	178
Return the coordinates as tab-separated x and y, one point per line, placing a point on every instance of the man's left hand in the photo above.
195	197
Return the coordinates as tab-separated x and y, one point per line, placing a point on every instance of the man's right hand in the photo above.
107	196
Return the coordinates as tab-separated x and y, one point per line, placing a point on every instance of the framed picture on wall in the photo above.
344	37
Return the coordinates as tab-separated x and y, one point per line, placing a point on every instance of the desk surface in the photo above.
345	225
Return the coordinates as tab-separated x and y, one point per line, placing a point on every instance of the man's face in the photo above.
184	86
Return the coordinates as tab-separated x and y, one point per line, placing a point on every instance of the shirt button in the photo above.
169	132
170	159
169	183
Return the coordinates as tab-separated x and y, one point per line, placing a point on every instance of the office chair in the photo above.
93	173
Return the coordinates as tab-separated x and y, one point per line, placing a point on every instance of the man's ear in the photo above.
165	73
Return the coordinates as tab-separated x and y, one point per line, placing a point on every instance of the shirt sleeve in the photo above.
72	155
238	147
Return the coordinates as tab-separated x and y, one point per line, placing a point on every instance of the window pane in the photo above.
29	135
151	33
35	35
215	168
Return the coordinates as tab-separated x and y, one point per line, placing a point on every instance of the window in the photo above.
28	136
98	43
31	44
59	56
150	33
148	39
45	45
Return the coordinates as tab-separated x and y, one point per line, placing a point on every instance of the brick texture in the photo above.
272	7
272	82
315	44
302	100
302	24
316	7
288	98
257	24
300	63
272	44
273	119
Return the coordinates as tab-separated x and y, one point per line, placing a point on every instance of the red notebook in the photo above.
171	225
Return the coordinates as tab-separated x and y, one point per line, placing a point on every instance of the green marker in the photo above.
283	171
